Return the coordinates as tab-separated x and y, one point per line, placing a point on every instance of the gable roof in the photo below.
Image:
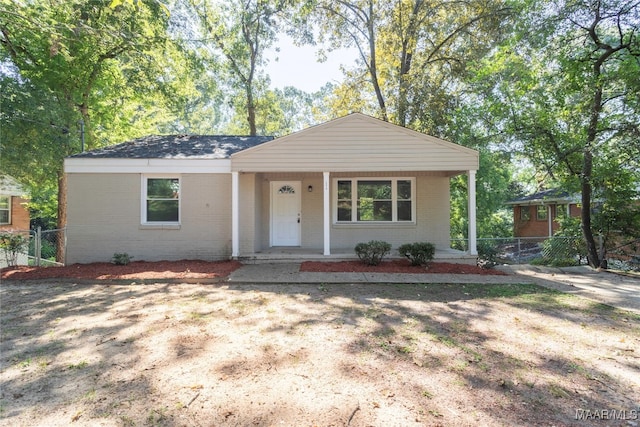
10	187
356	143
553	195
177	147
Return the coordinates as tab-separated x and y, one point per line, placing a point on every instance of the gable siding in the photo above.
356	145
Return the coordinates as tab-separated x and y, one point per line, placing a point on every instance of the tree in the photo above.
565	94
76	61
413	51
240	31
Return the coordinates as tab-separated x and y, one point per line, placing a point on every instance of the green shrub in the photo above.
12	245
563	251
418	253
121	259
372	252
487	255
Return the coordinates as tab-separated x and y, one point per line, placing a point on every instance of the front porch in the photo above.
316	193
287	254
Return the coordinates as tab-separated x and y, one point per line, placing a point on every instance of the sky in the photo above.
298	66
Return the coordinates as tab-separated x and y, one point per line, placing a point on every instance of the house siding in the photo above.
103	215
432	213
432	221
360	144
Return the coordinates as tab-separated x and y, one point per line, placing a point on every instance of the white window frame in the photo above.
143	199
8	209
354	200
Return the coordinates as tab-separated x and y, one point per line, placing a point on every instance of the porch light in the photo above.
310	188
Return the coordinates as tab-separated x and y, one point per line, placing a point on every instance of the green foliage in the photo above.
562	251
566	247
121	258
418	253
13	244
563	92
494	186
487	254
372	252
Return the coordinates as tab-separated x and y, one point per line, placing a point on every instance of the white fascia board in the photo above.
103	165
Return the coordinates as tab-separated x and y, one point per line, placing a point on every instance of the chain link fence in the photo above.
621	253
33	247
552	251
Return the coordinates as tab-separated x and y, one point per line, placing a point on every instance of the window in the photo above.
561	211
286	189
161	200
373	199
5	210
525	214
541	213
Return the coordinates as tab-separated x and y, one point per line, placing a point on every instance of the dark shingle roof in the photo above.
544	195
178	147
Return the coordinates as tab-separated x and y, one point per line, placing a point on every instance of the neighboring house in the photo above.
314	193
536	215
14	214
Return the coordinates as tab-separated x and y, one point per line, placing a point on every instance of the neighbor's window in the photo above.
5	210
162	200
525	213
561	211
370	200
541	213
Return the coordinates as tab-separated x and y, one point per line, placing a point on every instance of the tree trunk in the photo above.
593	256
373	67
251	112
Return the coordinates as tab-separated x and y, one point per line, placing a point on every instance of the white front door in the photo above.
285	213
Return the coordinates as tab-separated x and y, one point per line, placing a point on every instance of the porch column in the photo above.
326	214
471	198
549	220
235	215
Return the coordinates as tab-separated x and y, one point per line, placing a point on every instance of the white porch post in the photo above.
235	215
326	214
549	220
471	196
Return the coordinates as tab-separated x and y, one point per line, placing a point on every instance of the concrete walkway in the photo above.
617	290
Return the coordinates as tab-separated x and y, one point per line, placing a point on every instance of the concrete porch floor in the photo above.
297	254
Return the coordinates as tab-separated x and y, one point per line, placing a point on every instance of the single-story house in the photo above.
313	193
536	215
14	213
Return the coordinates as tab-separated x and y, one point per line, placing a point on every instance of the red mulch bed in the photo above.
395	266
134	270
188	269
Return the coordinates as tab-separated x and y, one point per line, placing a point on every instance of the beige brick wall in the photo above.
104	218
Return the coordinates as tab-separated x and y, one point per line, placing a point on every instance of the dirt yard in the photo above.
169	354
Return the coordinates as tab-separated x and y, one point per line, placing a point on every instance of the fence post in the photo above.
37	247
519	250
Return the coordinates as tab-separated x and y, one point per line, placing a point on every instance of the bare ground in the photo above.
313	355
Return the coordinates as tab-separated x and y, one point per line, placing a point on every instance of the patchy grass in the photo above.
400	354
